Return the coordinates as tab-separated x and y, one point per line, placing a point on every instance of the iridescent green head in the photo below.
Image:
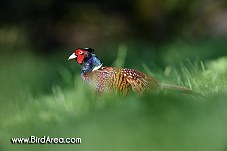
87	58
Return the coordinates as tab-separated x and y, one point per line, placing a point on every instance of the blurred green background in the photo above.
178	42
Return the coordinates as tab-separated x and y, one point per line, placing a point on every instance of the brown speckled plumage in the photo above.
108	79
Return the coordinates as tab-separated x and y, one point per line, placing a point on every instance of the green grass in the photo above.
47	97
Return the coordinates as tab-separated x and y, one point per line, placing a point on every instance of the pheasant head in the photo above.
87	58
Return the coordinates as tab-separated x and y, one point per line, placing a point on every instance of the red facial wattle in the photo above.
80	58
80	55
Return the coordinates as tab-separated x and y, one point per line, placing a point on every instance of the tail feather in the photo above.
179	89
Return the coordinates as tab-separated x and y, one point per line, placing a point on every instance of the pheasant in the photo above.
111	79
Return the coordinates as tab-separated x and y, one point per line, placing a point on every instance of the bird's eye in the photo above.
80	52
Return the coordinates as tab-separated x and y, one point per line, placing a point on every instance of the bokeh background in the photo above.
178	42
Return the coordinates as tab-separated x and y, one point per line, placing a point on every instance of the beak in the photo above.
73	56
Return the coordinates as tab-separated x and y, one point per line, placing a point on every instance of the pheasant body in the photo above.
111	79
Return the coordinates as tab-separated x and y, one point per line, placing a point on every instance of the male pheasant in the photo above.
111	79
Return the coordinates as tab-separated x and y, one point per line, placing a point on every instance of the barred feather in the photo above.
109	79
